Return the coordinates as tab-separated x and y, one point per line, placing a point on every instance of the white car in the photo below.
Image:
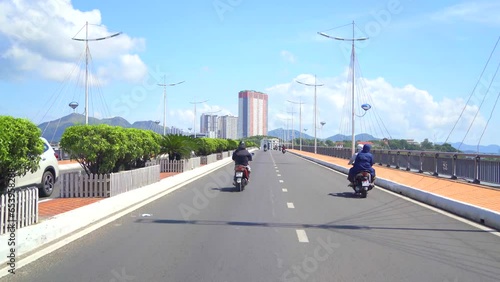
46	176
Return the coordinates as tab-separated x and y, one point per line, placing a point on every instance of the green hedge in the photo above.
104	149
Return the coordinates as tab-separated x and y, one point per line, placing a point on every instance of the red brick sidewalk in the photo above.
473	194
50	208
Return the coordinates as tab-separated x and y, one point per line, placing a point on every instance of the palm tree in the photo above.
177	146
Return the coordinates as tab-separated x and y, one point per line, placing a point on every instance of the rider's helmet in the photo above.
360	147
242	145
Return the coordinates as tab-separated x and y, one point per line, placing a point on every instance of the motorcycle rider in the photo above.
241	157
283	148
351	161
363	162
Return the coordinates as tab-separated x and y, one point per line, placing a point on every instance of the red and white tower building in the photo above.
252	113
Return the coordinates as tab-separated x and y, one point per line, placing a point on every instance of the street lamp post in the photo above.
293	129
352	62
300	121
164	85
194	121
315	110
87	52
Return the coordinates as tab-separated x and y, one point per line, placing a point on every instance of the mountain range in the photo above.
282	133
53	131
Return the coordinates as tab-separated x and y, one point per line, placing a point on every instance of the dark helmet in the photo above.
242	145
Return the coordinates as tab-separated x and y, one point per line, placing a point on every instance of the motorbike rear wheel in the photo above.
363	193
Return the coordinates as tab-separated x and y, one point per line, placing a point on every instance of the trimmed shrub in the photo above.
20	149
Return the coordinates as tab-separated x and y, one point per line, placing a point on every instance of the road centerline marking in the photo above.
284	190
290	205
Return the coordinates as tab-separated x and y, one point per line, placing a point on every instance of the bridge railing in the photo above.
476	168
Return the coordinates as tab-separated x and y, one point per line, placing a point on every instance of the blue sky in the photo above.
418	68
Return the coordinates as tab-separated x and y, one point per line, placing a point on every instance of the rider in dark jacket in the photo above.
363	162
241	156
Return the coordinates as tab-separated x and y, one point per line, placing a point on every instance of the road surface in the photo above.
296	221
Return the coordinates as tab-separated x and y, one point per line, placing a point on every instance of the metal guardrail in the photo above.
476	168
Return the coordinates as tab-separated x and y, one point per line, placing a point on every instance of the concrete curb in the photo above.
32	237
474	213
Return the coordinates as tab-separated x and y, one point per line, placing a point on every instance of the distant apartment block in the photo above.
208	125
252	113
228	127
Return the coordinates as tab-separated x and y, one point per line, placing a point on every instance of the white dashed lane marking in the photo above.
284	190
290	205
301	234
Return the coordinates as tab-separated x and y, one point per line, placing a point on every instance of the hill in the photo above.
281	133
53	130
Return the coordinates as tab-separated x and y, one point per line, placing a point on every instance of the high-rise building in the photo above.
228	127
208	125
252	113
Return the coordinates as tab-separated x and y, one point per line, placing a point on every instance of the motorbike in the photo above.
240	177
283	150
362	183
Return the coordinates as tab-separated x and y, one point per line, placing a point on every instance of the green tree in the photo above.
329	143
426	145
446	148
20	149
97	148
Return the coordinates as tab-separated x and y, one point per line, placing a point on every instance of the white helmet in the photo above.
360	147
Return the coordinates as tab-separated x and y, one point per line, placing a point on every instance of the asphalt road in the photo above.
315	230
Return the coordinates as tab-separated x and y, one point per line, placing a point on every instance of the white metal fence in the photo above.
180	165
129	180
24	203
81	185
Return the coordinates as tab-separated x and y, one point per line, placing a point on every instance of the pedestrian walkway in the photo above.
477	195
52	207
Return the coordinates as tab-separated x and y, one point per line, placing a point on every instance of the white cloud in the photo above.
39	35
398	112
288	56
485	12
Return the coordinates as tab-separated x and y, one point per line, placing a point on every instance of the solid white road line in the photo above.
301	234
290	205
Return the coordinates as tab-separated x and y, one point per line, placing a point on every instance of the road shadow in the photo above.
349	195
226	189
